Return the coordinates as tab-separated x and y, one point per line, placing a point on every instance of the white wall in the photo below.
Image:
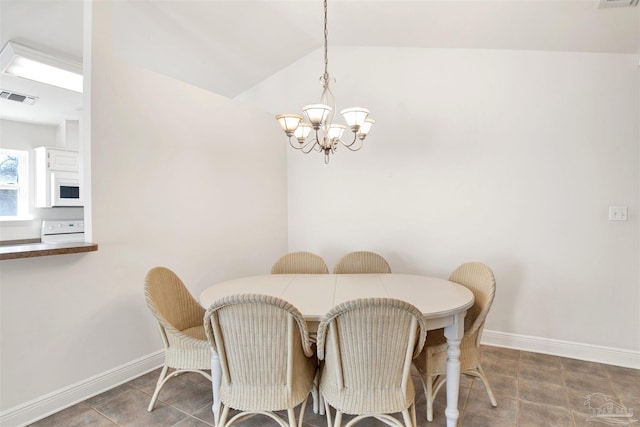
27	136
176	182
511	158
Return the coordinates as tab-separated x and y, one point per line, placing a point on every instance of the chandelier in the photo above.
326	135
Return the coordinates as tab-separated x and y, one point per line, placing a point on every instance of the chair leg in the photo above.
315	394
327	411
222	416
159	385
429	398
426	392
413	414
301	415
487	387
406	416
291	415
338	421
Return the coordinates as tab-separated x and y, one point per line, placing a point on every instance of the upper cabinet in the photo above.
56	160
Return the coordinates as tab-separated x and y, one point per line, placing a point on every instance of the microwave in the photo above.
65	189
57	178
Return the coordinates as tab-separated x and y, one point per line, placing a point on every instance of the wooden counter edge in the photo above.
31	250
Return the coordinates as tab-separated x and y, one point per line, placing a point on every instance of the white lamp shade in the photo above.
336	131
302	131
366	127
289	122
317	113
355	116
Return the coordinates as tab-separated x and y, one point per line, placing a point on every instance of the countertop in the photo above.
30	249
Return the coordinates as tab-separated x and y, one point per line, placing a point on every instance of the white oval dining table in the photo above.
443	303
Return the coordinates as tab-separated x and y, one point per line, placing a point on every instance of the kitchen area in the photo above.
41	153
55	222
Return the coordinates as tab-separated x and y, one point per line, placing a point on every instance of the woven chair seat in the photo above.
436	352
197	332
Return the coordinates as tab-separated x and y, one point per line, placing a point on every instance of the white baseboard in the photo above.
63	398
573	350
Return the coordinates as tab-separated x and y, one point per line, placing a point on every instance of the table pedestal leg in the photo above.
454	334
216	380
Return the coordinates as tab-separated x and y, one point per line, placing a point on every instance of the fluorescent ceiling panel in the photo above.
22	61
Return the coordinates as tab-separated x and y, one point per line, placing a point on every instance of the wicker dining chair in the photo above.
268	361
300	263
433	359
362	262
179	319
367	346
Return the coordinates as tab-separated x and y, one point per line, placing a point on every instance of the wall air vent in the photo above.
605	4
18	97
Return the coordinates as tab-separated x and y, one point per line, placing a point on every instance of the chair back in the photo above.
362	262
264	346
479	279
367	346
170	301
300	263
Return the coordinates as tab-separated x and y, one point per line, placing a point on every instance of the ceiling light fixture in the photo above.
22	61
326	135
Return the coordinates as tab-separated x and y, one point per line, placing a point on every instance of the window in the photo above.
14	184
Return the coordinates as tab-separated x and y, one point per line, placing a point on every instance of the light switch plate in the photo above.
617	213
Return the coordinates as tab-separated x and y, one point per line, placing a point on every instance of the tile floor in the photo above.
532	390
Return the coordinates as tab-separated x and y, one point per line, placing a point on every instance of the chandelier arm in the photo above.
311	144
300	146
355	138
350	147
297	147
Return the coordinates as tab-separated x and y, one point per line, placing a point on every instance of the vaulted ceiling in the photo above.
229	46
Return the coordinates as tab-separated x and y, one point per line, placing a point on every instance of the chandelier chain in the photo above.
326	42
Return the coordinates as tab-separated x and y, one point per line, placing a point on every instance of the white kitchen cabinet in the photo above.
57	177
57	160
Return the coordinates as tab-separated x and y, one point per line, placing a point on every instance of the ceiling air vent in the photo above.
18	97
604	4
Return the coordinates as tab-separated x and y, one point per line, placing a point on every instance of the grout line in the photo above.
102	415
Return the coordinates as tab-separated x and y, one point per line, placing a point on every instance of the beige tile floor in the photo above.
532	390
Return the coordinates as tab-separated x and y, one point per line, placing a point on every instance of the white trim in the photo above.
573	350
58	400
